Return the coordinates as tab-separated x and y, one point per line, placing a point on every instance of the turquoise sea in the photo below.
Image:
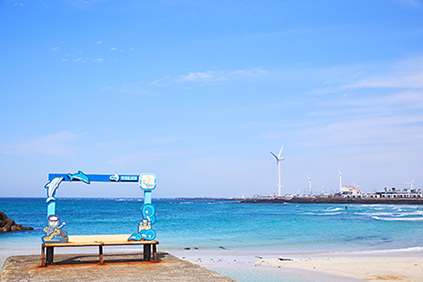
218	228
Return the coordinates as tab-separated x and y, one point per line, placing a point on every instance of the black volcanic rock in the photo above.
9	225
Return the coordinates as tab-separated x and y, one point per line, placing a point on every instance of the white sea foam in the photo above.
411	249
413	213
335	209
398	218
323	213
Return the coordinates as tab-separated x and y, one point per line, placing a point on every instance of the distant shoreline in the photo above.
276	200
312	200
317	200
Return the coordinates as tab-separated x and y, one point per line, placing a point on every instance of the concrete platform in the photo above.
117	267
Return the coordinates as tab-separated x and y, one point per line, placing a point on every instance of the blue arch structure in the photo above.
147	182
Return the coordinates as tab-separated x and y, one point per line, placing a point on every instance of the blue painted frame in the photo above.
147	182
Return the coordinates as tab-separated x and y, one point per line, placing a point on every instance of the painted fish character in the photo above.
51	187
79	176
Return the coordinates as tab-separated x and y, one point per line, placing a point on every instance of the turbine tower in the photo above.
278	163
340	180
309	183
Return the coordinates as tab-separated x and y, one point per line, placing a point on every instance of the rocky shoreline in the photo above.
9	225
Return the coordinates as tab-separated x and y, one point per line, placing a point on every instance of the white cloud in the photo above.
414	80
368	130
405	74
134	159
99	42
113	49
203	76
213	76
412	3
55	145
130	87
99	60
55	48
407	99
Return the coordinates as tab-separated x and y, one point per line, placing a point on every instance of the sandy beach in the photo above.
392	266
401	267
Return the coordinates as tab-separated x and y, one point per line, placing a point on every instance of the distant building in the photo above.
392	192
350	192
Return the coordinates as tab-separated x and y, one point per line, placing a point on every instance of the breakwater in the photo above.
322	200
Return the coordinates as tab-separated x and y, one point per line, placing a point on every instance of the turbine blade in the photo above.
275	156
280	152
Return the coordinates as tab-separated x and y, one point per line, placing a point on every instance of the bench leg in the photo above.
43	256
50	255
154	253
101	254
147	252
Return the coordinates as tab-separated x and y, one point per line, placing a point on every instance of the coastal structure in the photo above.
147	183
350	192
389	192
56	237
392	192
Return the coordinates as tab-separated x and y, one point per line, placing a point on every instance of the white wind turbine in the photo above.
340	180
411	183
278	160
309	184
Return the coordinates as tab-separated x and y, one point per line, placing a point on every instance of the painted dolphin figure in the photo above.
51	187
79	176
114	177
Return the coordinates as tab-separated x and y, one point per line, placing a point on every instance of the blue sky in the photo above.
199	92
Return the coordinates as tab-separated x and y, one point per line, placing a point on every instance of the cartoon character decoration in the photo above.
54	233
147	182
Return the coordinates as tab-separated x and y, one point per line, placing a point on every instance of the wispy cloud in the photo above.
211	76
55	145
389	81
98	60
413	3
407	99
404	74
379	106
135	158
130	87
99	42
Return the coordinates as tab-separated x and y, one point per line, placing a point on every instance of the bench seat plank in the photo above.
98	240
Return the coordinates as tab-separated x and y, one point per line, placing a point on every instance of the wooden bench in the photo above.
47	249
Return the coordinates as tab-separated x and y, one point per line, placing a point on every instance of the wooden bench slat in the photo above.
98	240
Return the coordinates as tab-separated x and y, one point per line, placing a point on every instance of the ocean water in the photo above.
220	228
